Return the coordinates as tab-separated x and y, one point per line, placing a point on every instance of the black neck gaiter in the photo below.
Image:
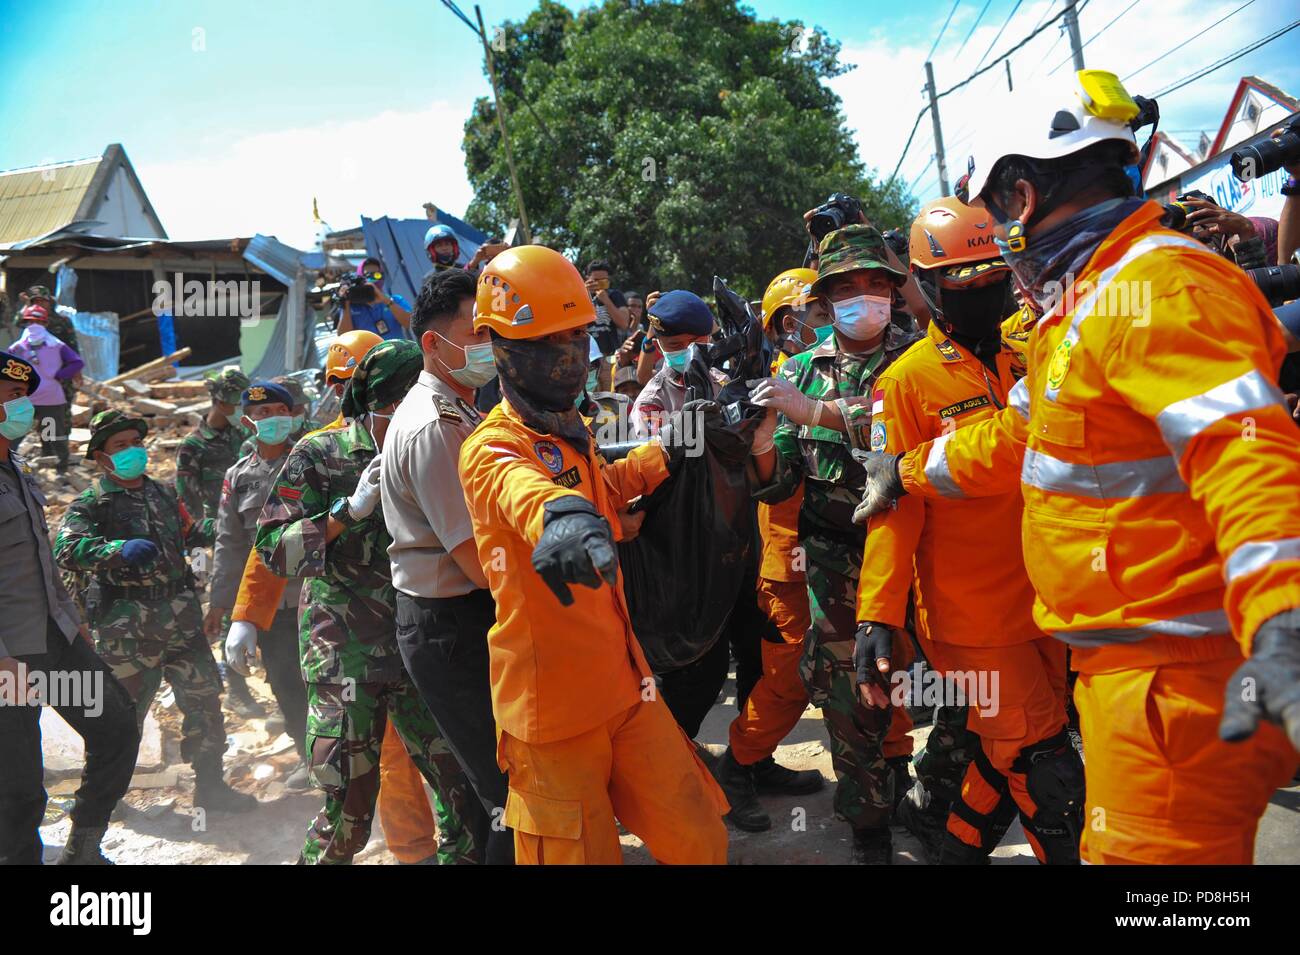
542	381
974	317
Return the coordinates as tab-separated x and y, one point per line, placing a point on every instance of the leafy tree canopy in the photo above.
675	139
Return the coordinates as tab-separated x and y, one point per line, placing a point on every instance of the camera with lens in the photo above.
1279	283
1283	149
835	213
357	289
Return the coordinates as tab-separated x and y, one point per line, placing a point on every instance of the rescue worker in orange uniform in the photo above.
795	321
1158	466
962	559
581	730
403	806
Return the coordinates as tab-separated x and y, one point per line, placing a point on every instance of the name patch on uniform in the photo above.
569	479
550	455
949	351
961	407
878	436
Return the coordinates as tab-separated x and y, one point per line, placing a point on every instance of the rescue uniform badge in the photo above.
550	455
878	436
1059	365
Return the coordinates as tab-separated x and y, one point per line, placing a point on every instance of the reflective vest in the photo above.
1158	463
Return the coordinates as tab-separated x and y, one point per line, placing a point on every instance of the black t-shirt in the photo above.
608	335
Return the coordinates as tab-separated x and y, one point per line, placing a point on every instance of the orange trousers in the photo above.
1026	705
403	806
638	768
1162	787
779	698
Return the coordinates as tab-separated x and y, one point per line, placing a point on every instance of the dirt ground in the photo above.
157	824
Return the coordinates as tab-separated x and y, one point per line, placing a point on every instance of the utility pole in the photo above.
938	130
501	124
1072	27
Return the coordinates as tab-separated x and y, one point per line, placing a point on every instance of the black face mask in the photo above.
542	380
976	313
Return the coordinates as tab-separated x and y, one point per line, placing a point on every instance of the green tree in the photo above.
675	139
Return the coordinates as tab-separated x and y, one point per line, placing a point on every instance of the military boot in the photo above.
237	698
774	779
737	783
211	791
82	847
873	847
300	778
926	818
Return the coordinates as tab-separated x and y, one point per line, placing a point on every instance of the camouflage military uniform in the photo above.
207	453
350	659
820	458
148	625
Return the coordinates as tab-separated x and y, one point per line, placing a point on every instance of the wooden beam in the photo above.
150	366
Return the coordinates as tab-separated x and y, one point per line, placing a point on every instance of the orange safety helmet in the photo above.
950	235
531	291
788	288
345	352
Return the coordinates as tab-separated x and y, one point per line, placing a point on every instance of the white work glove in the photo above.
365	498
784	397
241	646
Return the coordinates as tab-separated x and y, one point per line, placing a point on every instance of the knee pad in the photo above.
1054	779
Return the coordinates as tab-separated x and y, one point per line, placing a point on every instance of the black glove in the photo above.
883	487
1267	685
872	642
683	432
139	552
576	547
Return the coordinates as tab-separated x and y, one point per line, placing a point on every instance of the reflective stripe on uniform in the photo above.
1019	398
1204	624
1089	301
1255	555
936	468
1117	479
1185	419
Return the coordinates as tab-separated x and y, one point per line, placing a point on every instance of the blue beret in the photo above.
680	312
267	393
19	370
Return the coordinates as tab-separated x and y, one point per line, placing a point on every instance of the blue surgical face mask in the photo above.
820	334
677	360
479	367
593	381
19	415
298	419
129	463
275	429
862	317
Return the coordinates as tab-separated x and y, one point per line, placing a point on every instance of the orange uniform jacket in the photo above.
1156	457
778	529
259	589
556	671
972	589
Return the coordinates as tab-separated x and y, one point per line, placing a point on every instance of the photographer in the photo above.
387	316
1250	242
1288	225
612	321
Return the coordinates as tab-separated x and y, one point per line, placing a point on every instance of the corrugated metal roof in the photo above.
399	244
40	199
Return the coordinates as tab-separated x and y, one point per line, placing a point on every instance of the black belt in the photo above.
144	591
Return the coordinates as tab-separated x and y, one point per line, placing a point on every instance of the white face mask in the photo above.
862	317
36	334
479	367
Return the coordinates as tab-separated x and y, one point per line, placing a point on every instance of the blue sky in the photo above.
236	113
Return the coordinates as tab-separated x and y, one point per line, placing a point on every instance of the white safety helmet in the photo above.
1055	122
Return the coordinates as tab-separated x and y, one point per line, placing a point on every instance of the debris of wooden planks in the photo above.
156	364
180	391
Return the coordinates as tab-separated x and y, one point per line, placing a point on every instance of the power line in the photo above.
1226	60
928	167
908	145
1179	46
972	28
999	34
942	29
1097	34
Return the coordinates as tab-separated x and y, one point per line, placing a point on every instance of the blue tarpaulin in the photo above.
98	343
399	244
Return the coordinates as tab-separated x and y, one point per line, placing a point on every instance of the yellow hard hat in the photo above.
346	351
788	288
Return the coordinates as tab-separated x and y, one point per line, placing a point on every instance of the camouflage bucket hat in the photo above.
226	385
108	423
852	248
292	386
384	376
38	291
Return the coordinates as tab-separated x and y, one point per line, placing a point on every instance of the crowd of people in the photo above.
1047	452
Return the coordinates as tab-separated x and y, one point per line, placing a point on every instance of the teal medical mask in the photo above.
129	463
275	429
676	360
19	415
593	381
479	368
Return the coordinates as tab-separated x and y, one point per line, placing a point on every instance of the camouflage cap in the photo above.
294	387
37	291
226	385
108	423
850	249
384	376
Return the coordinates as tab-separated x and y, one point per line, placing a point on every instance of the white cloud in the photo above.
388	164
883	94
